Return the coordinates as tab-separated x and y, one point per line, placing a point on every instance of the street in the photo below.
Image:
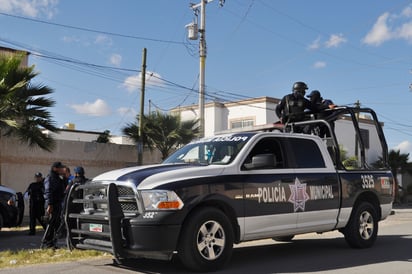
309	253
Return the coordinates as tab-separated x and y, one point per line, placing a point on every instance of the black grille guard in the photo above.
110	238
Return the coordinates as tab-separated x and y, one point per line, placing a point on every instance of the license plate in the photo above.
96	228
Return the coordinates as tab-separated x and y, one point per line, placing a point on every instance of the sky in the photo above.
90	52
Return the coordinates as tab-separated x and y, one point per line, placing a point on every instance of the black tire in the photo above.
20	209
362	229
284	238
206	240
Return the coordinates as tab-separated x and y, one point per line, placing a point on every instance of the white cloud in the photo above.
319	64
315	44
102	39
335	40
407	12
405	32
389	27
70	39
31	8
127	112
404	147
380	32
133	83
116	59
97	108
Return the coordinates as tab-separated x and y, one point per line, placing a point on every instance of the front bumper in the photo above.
111	231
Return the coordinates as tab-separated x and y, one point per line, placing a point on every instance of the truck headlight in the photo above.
161	200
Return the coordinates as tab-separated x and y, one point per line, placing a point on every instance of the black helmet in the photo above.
299	86
314	93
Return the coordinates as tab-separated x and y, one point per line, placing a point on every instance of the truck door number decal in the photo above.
367	181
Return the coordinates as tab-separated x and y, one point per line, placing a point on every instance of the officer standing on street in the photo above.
79	177
54	194
35	191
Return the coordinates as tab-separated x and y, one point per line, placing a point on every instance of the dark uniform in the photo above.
79	177
53	194
292	106
320	107
36	202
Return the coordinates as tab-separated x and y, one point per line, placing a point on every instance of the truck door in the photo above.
315	191
266	179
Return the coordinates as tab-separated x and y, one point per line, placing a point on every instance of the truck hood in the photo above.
153	176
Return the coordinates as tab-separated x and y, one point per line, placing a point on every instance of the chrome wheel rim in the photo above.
211	240
366	225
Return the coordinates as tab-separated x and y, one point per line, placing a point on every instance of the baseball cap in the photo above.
57	165
38	174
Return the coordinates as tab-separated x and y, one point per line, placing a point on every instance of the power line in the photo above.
93	30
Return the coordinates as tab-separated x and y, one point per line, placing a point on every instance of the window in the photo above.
266	154
305	153
242	123
354	156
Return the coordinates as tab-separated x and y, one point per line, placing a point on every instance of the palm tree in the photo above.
104	137
163	131
398	163
23	105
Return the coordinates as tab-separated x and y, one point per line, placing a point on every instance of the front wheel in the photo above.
362	229
206	242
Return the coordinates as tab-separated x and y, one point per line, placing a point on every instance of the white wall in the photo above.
218	116
18	162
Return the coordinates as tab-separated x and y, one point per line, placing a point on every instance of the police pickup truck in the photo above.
219	191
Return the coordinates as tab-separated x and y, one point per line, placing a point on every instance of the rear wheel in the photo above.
284	238
206	242
362	229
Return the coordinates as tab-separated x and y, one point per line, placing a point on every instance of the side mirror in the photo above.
261	161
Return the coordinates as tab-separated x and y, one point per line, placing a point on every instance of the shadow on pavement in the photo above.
299	256
11	239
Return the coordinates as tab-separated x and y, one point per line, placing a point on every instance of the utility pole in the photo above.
202	64
202	56
141	114
357	106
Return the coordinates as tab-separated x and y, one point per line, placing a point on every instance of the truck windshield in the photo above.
219	150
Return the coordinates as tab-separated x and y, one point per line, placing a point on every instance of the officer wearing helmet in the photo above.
79	177
320	107
292	106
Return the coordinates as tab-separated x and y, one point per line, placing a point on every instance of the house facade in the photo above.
232	115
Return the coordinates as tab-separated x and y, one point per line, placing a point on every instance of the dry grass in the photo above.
38	256
24	257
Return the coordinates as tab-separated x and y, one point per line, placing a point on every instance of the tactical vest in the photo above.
295	109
